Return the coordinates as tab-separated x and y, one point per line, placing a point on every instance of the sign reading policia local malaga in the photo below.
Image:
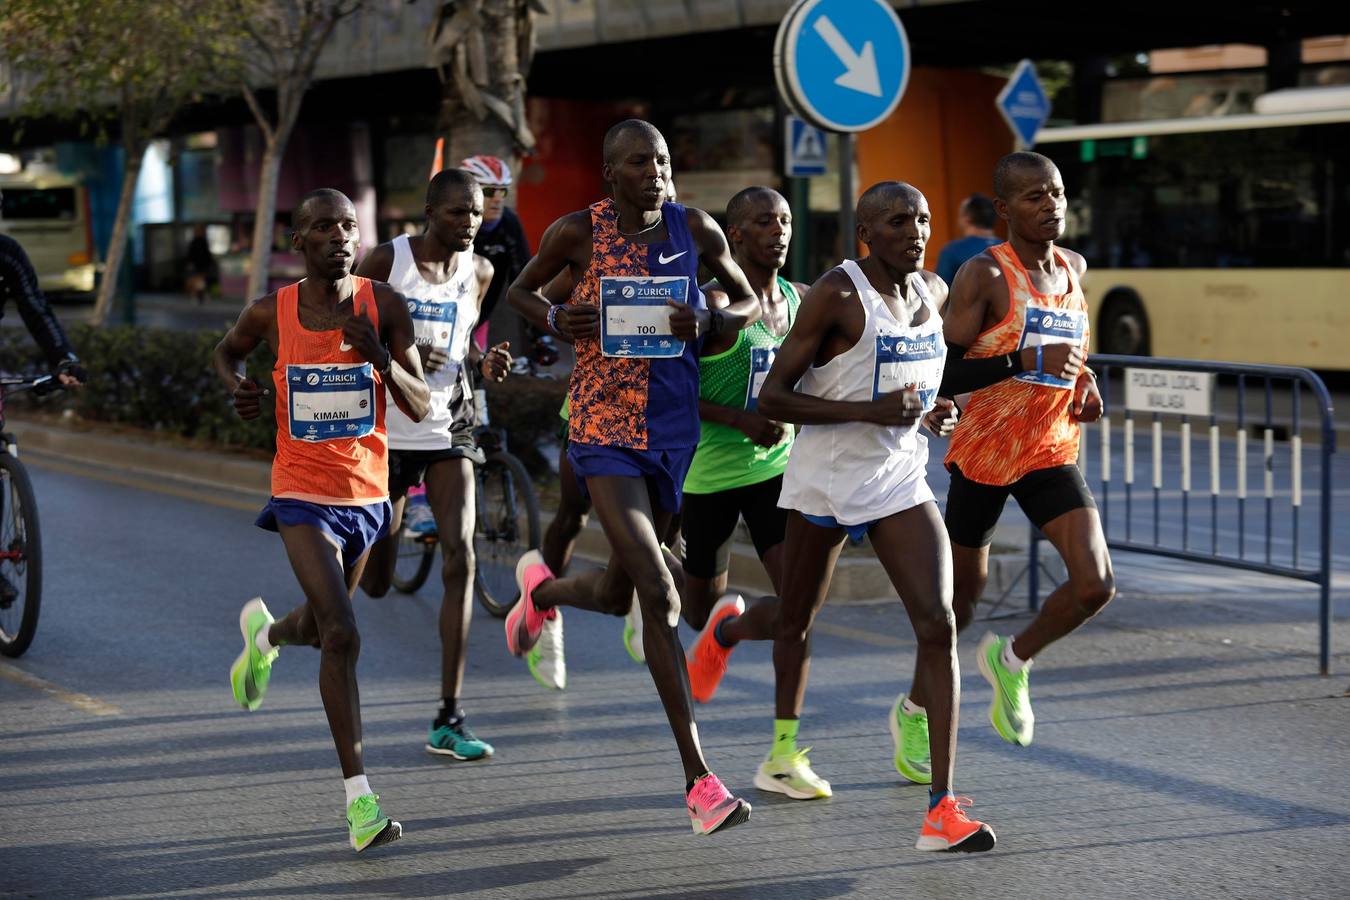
842	65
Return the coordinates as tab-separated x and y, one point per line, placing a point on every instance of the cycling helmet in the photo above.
488	170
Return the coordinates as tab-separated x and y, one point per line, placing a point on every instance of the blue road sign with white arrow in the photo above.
842	64
1024	104
805	149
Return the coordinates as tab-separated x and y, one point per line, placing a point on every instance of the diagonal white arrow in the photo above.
860	69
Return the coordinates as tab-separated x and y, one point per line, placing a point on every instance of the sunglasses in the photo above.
496	191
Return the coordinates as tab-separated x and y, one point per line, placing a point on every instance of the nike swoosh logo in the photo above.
663	259
936	826
344	346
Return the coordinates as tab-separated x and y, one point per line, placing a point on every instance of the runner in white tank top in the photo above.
444	283
856	472
858	371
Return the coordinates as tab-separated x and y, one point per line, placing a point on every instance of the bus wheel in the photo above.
1123	326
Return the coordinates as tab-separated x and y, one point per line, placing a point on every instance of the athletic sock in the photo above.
262	643
449	713
357	786
910	708
936	797
717	634
1010	660
784	738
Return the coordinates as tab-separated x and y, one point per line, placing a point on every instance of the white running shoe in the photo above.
546	658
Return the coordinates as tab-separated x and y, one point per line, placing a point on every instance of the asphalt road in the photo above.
1183	746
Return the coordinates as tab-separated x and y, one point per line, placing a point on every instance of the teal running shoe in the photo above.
367	826
253	669
910	733
457	742
1010	712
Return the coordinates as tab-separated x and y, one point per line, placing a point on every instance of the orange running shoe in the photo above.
707	658
948	828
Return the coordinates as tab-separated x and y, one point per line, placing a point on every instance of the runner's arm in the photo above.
403	371
742	307
967	306
234	348
498	358
558	250
779	399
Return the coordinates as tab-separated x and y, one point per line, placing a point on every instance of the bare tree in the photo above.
283	40
139	60
482	50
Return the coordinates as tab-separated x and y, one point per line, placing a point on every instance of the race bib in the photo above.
331	402
433	323
634	317
909	360
1051	325
761	361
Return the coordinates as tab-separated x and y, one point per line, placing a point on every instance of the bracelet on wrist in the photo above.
553	319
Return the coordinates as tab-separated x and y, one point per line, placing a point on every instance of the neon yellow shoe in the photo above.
792	775
367	826
252	669
1010	712
910	733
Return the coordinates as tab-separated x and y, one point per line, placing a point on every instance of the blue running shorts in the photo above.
355	528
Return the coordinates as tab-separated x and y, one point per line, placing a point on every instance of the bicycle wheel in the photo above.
507	527
20	558
413	562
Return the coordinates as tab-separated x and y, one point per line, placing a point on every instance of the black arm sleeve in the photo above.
961	375
18	282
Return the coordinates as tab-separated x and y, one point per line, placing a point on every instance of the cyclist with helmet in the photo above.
19	283
501	238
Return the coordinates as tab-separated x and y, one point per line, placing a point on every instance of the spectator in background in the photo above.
202	273
977	220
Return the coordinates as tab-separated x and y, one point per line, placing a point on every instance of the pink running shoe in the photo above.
525	622
712	808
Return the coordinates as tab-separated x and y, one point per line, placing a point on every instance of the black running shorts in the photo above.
709	524
408	468
1044	494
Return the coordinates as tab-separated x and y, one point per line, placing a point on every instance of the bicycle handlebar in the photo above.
40	384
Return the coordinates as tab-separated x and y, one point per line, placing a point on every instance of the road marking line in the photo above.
80	701
43	461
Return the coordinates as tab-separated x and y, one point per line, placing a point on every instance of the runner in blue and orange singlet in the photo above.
635	317
1017	335
340	342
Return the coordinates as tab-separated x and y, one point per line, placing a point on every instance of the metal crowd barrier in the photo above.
1153	519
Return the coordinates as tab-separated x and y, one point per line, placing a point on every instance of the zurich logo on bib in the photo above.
433	323
915	360
1051	325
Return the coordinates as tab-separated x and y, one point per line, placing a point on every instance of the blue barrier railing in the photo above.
1163	391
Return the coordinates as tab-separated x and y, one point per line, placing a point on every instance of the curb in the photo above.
856	578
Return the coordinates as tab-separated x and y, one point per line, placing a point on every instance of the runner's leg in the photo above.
379	567
560	538
912	547
810	554
450	490
1077	535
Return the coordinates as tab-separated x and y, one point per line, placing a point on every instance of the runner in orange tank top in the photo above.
1017	334
340	341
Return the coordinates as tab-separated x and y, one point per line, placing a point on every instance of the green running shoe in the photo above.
792	775
1010	712
457	742
910	733
367	826
252	670
632	633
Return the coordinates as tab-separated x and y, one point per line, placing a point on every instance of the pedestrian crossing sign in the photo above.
805	149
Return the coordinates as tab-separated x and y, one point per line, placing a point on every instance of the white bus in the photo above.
1223	238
